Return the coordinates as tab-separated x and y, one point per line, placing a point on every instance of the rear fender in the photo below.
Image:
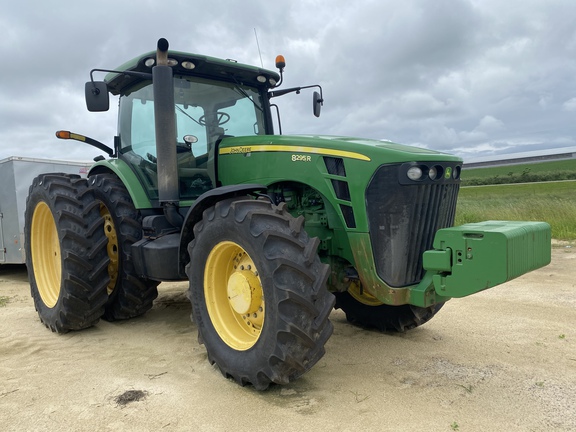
127	176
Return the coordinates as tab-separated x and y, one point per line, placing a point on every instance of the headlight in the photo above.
456	173
414	173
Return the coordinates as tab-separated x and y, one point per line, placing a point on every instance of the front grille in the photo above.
403	219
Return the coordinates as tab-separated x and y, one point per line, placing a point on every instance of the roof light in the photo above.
172	62
280	62
149	62
261	78
272	81
188	65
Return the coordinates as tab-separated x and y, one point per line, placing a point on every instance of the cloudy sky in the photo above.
476	78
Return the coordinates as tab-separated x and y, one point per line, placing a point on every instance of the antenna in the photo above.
258	44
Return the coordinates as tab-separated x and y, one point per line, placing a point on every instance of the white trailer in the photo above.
16	175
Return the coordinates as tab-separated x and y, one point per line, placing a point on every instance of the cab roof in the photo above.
192	65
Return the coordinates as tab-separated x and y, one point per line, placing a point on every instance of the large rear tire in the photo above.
128	295
65	252
366	311
258	292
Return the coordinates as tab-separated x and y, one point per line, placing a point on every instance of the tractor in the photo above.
271	231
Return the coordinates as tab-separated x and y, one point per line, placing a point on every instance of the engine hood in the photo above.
355	148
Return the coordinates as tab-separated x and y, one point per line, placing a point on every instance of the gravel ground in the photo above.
504	359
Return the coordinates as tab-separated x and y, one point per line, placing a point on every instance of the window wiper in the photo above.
244	93
188	115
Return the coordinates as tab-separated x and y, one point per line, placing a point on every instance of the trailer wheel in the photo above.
65	252
258	292
128	295
364	310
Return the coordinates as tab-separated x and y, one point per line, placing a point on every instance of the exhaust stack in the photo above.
165	124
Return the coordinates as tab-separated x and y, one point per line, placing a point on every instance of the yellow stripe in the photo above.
293	149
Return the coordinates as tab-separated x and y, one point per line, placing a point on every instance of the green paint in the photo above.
125	173
352	193
473	257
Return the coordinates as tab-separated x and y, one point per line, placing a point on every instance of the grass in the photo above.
552	202
542	171
564	165
4	301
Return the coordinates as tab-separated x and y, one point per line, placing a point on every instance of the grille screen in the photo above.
403	220
335	166
348	214
341	189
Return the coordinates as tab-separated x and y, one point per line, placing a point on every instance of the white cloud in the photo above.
464	76
569	105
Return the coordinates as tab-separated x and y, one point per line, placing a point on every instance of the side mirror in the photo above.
97	98
317	103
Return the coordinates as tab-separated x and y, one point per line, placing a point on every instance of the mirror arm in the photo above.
297	90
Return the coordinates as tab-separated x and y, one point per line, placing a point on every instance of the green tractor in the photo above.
271	231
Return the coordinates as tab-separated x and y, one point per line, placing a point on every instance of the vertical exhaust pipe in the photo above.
165	124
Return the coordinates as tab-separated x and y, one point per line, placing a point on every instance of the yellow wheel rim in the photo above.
46	258
234	295
364	297
112	247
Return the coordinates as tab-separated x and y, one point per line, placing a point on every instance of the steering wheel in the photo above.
221	118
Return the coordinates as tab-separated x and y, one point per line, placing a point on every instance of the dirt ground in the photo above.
504	359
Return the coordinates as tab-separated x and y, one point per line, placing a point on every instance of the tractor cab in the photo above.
207	111
213	99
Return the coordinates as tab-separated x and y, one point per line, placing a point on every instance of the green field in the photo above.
542	171
553	202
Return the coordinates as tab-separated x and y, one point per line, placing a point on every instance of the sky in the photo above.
476	78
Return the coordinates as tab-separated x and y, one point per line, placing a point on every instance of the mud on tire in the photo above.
258	292
65	252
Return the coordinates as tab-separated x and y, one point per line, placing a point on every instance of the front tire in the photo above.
364	310
129	296
258	292
65	252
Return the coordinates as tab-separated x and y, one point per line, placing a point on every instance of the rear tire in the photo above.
366	311
258	292
129	296
65	252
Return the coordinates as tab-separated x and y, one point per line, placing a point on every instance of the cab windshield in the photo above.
206	111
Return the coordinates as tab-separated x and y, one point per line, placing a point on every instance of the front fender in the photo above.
205	201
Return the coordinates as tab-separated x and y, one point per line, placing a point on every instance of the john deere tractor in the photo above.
272	231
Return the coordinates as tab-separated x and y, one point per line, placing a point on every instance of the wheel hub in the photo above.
111	248
244	292
46	255
234	295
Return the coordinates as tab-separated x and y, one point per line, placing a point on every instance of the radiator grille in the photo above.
403	219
